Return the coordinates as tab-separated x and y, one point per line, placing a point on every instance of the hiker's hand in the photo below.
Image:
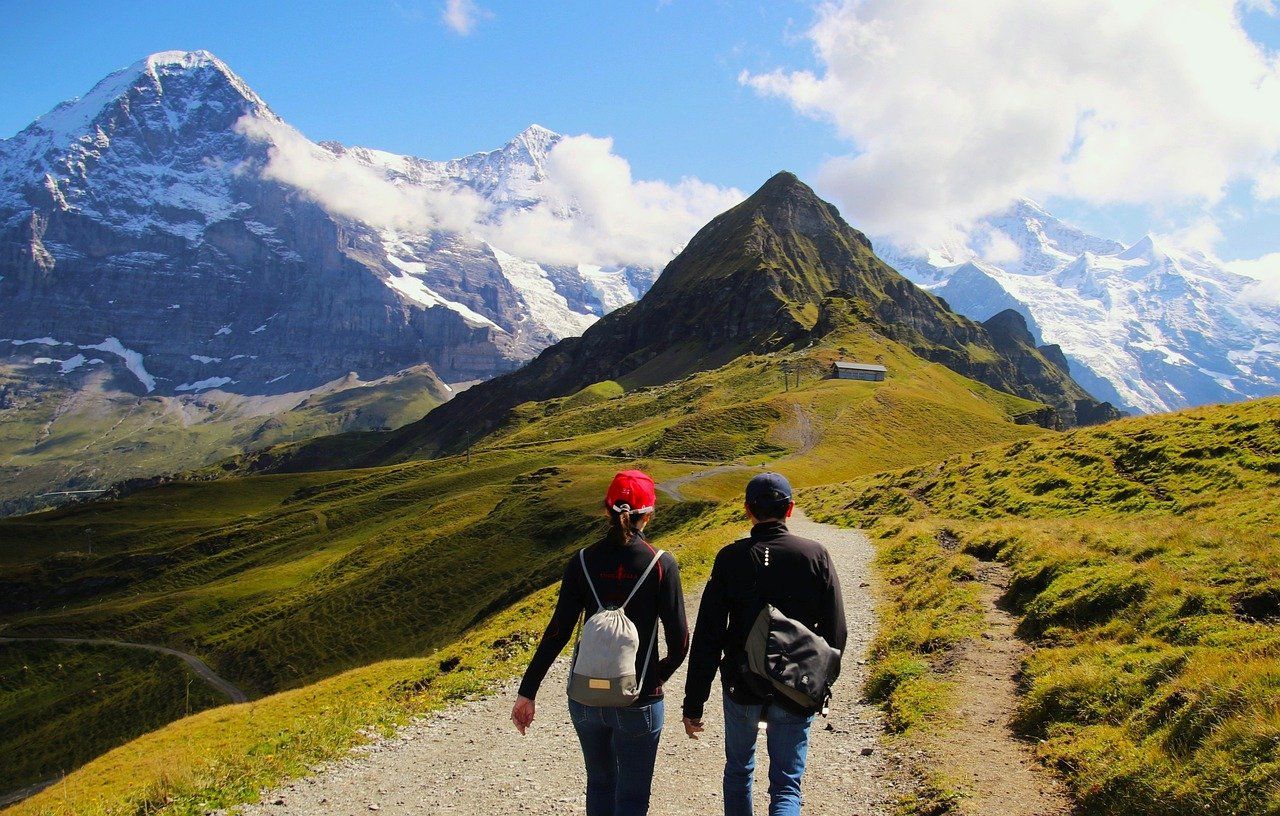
692	727
522	713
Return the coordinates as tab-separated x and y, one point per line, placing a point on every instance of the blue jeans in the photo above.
787	738
619	747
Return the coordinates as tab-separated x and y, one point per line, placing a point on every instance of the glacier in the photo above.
1149	327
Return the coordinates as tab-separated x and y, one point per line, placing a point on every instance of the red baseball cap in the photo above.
631	491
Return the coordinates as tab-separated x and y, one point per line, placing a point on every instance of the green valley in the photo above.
61	435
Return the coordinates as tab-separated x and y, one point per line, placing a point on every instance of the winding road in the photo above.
216	681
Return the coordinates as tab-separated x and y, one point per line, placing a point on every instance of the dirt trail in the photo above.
469	759
995	770
672	486
219	683
800	431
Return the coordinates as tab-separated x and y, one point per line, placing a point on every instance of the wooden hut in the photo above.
841	370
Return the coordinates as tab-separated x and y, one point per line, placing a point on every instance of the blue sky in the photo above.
660	79
665	80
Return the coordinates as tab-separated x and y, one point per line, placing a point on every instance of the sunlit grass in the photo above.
1145	561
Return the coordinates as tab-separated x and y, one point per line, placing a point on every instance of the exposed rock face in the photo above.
138	218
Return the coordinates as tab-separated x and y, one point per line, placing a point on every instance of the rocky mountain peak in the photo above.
787	203
1010	324
174	112
534	143
181	83
783	243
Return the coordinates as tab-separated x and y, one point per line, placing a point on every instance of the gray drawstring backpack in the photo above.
604	661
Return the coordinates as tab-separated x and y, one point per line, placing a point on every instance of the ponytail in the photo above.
626	521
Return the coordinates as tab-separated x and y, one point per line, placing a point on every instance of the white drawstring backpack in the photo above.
604	661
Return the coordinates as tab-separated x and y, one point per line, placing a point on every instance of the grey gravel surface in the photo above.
469	759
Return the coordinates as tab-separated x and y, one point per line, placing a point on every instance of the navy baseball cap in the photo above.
768	488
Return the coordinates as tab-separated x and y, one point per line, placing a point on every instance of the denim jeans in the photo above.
787	738
619	747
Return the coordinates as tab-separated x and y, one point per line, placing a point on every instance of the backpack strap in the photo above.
582	559
653	638
643	576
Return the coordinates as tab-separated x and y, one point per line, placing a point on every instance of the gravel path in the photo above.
470	760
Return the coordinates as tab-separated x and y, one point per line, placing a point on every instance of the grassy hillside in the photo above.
223	756
235	569
1145	561
59	434
280	581
84	700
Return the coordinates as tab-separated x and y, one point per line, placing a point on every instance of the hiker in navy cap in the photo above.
796	576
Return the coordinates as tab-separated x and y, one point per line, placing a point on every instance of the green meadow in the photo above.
1145	557
85	699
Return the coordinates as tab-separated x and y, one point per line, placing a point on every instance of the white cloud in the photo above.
591	210
999	248
615	219
462	16
954	108
1266	272
346	187
1202	235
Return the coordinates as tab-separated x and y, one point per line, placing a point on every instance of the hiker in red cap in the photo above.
621	587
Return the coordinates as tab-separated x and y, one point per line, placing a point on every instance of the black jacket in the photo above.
800	582
615	564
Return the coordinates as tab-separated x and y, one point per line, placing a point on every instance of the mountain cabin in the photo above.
841	370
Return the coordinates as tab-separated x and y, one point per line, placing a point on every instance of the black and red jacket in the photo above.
615	564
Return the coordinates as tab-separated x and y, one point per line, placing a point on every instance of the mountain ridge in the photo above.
148	196
778	270
1148	326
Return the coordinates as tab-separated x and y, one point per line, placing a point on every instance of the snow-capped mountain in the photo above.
1149	327
140	229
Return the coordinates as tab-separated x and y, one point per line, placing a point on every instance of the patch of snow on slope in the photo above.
609	284
205	384
71	364
132	360
42	341
409	284
547	307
